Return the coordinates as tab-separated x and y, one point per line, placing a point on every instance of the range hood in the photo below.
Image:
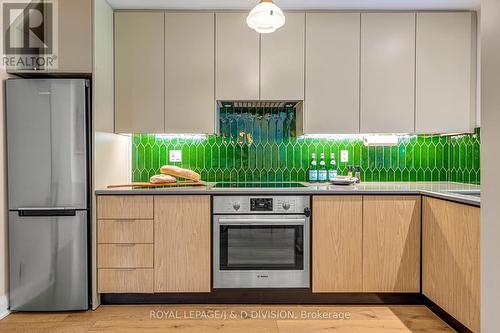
249	120
258	104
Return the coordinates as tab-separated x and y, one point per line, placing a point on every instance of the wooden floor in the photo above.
238	319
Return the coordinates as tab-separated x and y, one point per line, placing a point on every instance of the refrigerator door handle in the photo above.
34	212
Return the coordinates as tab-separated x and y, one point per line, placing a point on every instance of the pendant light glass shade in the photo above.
266	17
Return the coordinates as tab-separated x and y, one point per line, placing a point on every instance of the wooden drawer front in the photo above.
124	207
125	256
125	280
125	231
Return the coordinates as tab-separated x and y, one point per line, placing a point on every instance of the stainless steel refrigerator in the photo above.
48	193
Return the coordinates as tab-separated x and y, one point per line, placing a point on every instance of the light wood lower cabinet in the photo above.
125	244
450	259
124	207
130	280
391	243
125	231
152	244
182	243
125	256
337	244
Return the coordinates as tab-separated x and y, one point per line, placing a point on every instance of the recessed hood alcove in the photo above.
255	121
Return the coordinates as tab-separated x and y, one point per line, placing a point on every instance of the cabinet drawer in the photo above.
125	280
125	231
125	256
125	207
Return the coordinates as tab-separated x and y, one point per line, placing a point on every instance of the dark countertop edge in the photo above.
464	199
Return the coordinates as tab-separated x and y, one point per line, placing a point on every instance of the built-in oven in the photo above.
261	241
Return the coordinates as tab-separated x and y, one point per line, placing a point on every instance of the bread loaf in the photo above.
176	171
162	179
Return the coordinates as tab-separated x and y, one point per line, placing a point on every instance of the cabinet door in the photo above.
391	243
450	259
387	72
75	36
73	30
337	235
446	67
139	72
182	243
189	73
282	61
236	58
332	73
103	91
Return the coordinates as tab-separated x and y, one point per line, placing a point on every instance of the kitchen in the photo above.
250	165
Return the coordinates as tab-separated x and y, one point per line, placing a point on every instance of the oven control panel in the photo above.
260	204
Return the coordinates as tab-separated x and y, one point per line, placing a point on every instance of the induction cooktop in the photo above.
259	185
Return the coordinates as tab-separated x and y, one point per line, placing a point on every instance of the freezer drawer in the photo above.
46	143
48	262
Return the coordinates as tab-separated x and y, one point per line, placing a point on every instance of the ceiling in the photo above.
298	4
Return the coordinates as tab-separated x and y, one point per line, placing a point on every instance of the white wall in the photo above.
112	156
111	153
4	259
478	71
4	250
490	161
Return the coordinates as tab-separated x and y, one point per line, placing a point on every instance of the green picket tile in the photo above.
148	159
282	157
364	158
431	157
408	157
259	160
394	157
368	175
398	175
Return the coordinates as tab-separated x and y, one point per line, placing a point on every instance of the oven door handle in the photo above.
263	221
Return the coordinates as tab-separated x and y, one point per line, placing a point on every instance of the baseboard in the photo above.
445	316
263	296
4	306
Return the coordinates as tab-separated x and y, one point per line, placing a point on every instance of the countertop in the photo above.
443	190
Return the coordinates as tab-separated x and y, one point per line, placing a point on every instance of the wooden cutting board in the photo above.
146	184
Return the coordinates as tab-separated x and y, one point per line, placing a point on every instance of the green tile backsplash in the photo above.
272	156
260	143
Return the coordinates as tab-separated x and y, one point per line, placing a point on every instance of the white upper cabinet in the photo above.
236	58
387	72
75	36
446	72
332	73
189	72
72	54
392	72
282	61
139	72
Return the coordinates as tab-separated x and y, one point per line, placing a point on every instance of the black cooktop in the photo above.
259	185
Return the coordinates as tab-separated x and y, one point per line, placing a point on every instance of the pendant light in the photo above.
266	17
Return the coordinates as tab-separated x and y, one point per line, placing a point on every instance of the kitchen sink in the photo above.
473	193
